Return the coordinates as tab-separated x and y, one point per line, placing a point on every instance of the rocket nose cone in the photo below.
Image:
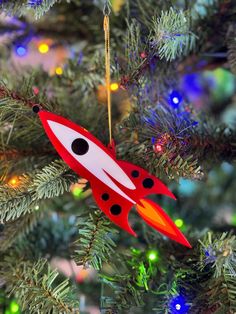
46	116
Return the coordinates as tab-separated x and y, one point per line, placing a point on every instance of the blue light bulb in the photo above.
34	3
21	51
178	305
175	99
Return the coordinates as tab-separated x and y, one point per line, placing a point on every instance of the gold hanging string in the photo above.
108	70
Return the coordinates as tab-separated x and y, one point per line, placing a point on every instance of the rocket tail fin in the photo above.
115	207
154	215
146	184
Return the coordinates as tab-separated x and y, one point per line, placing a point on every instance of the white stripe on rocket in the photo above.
95	160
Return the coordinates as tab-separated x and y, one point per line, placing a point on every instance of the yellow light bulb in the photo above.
59	70
43	48
114	87
14	181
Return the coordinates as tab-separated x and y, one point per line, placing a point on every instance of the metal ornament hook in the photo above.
107	8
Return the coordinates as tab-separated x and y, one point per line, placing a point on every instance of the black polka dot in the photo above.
80	146
105	196
36	108
115	209
135	173
148	183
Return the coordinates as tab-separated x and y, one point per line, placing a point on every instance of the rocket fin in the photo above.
154	215
116	207
145	183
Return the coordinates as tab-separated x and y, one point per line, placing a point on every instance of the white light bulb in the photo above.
178	307
175	100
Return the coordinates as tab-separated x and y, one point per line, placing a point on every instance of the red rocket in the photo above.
117	185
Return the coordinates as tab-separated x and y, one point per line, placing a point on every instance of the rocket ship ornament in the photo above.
117	185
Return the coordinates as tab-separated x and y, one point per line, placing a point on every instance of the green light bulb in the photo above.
179	223
233	221
135	251
14	307
77	192
152	256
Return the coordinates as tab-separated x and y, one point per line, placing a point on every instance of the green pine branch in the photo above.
53	180
183	144
222	249
219	253
51	236
136	282
94	245
22	129
36	287
172	35
231	41
19	8
168	33
15	202
15	230
126	293
135	47
167	36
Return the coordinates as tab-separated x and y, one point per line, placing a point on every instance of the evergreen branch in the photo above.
14	230
12	161
12	96
220	253
34	285
138	55
221	295
15	202
175	166
169	164
51	181
167	37
172	35
20	127
182	143
125	290
19	8
231	41
40	10
144	10
229	285
137	282
94	245
135	46
52	236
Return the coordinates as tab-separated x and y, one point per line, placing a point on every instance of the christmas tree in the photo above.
172	69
